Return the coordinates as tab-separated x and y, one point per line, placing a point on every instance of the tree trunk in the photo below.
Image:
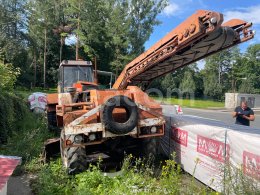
44	57
77	44
35	69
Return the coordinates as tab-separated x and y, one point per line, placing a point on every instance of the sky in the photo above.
178	10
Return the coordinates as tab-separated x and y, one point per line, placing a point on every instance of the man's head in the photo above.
244	105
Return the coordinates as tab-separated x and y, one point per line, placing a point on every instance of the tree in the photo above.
187	85
247	86
168	84
174	83
212	88
220	72
250	70
33	33
114	31
143	18
44	17
13	39
8	76
118	29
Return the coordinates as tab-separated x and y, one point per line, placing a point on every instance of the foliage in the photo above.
143	19
21	131
236	182
174	84
212	88
8	76
114	31
187	86
12	111
193	103
168	83
247	86
27	139
136	177
105	30
250	69
220	72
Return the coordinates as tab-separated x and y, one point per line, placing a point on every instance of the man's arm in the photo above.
251	117
234	114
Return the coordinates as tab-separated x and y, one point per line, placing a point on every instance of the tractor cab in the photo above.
76	74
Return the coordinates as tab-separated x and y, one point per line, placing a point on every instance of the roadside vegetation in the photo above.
136	177
196	103
193	103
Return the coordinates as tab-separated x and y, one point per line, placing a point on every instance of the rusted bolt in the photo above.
192	28
186	33
180	37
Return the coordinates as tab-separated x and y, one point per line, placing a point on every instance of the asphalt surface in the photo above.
221	115
19	185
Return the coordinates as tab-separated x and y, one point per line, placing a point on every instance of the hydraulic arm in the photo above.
199	36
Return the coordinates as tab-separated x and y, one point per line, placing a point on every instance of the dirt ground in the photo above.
19	185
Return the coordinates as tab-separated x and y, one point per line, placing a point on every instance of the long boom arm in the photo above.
199	36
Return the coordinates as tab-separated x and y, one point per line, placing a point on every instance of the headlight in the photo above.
92	137
153	129
78	139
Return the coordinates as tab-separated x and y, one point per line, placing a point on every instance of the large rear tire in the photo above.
63	150
74	159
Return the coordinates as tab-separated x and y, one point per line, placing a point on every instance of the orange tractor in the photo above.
105	123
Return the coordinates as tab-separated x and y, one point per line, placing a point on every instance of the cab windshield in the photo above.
73	74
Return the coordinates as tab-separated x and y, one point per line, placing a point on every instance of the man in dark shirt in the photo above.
243	114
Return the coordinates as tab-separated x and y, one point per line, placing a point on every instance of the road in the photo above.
221	115
19	185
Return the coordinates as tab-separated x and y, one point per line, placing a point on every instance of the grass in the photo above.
192	103
24	93
137	177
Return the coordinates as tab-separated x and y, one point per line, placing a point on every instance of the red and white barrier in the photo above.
204	146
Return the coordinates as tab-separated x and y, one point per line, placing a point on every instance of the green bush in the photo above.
12	111
22	133
8	75
236	182
137	177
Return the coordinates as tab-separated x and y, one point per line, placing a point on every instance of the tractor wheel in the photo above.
63	150
74	159
77	160
113	126
52	121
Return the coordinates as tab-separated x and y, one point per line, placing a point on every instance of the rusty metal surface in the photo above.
99	97
71	129
85	116
52	98
151	122
197	37
83	128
